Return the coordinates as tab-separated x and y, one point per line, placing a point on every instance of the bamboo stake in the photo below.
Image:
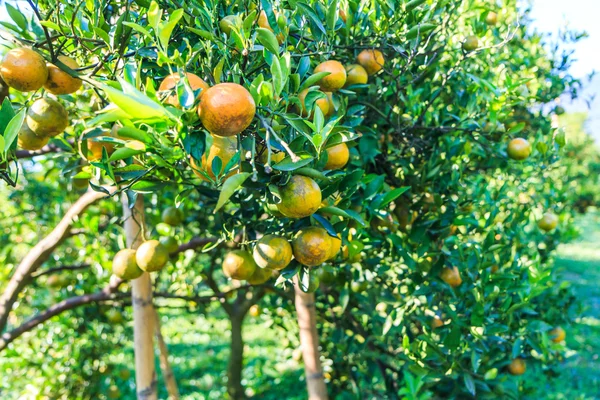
309	342
143	310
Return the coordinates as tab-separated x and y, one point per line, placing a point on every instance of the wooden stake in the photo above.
143	310
309	342
165	366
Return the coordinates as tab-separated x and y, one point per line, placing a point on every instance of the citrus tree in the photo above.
398	159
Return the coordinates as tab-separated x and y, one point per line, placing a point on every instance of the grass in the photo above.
579	263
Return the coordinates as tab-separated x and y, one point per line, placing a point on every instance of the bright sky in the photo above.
580	15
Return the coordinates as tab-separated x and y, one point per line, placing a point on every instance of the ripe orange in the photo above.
47	117
172	216
300	197
336	78
59	81
337	156
170	83
371	60
471	43
272	252
226	109
517	366
254	311
260	276
519	149
151	256
548	222
27	140
24	69
224	148
558	334
451	276
436	322
311	246
491	18
336	246
125	266
94	146
322	103
356	75
239	264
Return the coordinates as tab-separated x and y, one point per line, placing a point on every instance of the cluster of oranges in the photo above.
25	70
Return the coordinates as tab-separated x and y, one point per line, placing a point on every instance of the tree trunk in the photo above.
309	342
143	310
165	366
236	358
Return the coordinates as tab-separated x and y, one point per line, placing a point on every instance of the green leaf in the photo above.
469	384
138	28
134	102
147	186
325	224
267	39
516	129
123	153
312	16
332	13
203	34
419	30
165	31
313	79
232	184
12	129
349	214
414	4
6	114
17	16
154	15
288	165
133	133
392	195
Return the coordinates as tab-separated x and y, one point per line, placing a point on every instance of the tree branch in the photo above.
41	252
108	293
59	269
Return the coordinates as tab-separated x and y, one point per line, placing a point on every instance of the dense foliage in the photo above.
429	188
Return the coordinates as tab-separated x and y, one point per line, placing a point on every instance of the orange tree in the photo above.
403	154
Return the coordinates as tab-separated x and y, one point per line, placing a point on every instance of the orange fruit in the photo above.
470	43
322	103
371	60
356	75
337	156
170	243
336	78
451	276
548	222
172	216
254	311
27	140
227	23
272	252
59	81
224	148
491	18
331	104
558	334
170	83
151	256
263	22
24	69
300	197
312	246
336	246
518	149
115	317
517	366
94	147
125	266
260	276
47	117
239	264
436	322
226	109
